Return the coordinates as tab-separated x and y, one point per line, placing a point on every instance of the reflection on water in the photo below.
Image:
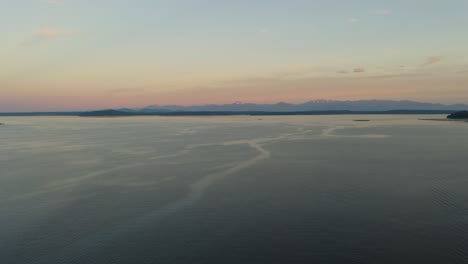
291	189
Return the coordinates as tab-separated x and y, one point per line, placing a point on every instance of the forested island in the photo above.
458	115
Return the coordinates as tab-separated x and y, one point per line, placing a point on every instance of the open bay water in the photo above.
286	189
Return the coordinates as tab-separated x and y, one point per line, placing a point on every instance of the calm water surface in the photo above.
292	189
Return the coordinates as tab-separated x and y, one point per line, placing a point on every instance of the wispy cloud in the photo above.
431	60
47	33
53	2
353	20
399	76
50	33
382	11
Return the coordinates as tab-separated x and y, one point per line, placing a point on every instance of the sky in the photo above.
94	54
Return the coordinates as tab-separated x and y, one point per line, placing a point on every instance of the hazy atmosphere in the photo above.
233	132
80	54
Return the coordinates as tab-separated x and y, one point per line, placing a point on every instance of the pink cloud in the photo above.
48	33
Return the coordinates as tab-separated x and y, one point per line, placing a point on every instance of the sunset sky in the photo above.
91	54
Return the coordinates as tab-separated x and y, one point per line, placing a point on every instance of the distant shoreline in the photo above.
116	113
447	119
